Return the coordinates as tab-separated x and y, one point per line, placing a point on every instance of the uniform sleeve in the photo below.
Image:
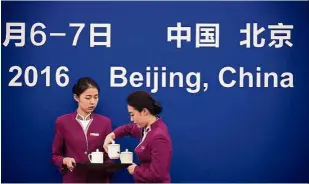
57	147
128	130
108	131
160	162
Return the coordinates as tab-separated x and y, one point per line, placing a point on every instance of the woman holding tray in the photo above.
79	133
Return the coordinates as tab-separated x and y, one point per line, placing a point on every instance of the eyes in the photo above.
89	97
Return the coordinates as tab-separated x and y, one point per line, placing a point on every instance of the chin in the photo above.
89	111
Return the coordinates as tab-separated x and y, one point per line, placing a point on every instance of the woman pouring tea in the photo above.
155	147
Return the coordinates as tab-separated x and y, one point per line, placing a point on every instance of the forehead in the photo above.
90	91
131	109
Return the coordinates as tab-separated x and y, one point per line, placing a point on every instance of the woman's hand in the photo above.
69	162
108	140
131	168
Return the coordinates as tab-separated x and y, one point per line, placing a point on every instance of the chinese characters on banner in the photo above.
206	34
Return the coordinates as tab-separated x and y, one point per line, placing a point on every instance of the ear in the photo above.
145	112
76	98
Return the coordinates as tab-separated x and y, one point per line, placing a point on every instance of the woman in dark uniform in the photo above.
155	148
79	133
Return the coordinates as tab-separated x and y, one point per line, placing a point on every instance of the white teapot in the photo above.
113	150
126	157
96	157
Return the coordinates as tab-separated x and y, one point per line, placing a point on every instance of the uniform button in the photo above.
85	152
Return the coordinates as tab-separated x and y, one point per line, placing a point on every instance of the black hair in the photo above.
83	84
141	99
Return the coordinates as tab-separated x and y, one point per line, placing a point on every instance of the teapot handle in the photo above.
89	157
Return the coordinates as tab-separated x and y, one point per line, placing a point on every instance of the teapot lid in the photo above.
113	144
97	151
127	151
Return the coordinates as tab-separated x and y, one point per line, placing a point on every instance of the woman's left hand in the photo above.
131	168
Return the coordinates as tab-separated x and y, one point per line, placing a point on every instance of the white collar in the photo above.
147	129
83	118
149	126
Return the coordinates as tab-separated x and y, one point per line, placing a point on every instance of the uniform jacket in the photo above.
154	152
70	140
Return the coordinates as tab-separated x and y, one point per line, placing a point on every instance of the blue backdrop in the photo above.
221	135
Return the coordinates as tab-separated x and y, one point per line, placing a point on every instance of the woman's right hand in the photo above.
69	162
108	140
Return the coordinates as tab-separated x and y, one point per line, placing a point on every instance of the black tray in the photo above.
109	167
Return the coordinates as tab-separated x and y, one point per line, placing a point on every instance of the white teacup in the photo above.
96	157
126	157
113	151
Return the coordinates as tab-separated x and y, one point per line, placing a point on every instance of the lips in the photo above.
91	108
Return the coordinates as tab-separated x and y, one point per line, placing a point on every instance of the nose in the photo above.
131	119
91	101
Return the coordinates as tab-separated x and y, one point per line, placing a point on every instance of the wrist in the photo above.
112	135
64	161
